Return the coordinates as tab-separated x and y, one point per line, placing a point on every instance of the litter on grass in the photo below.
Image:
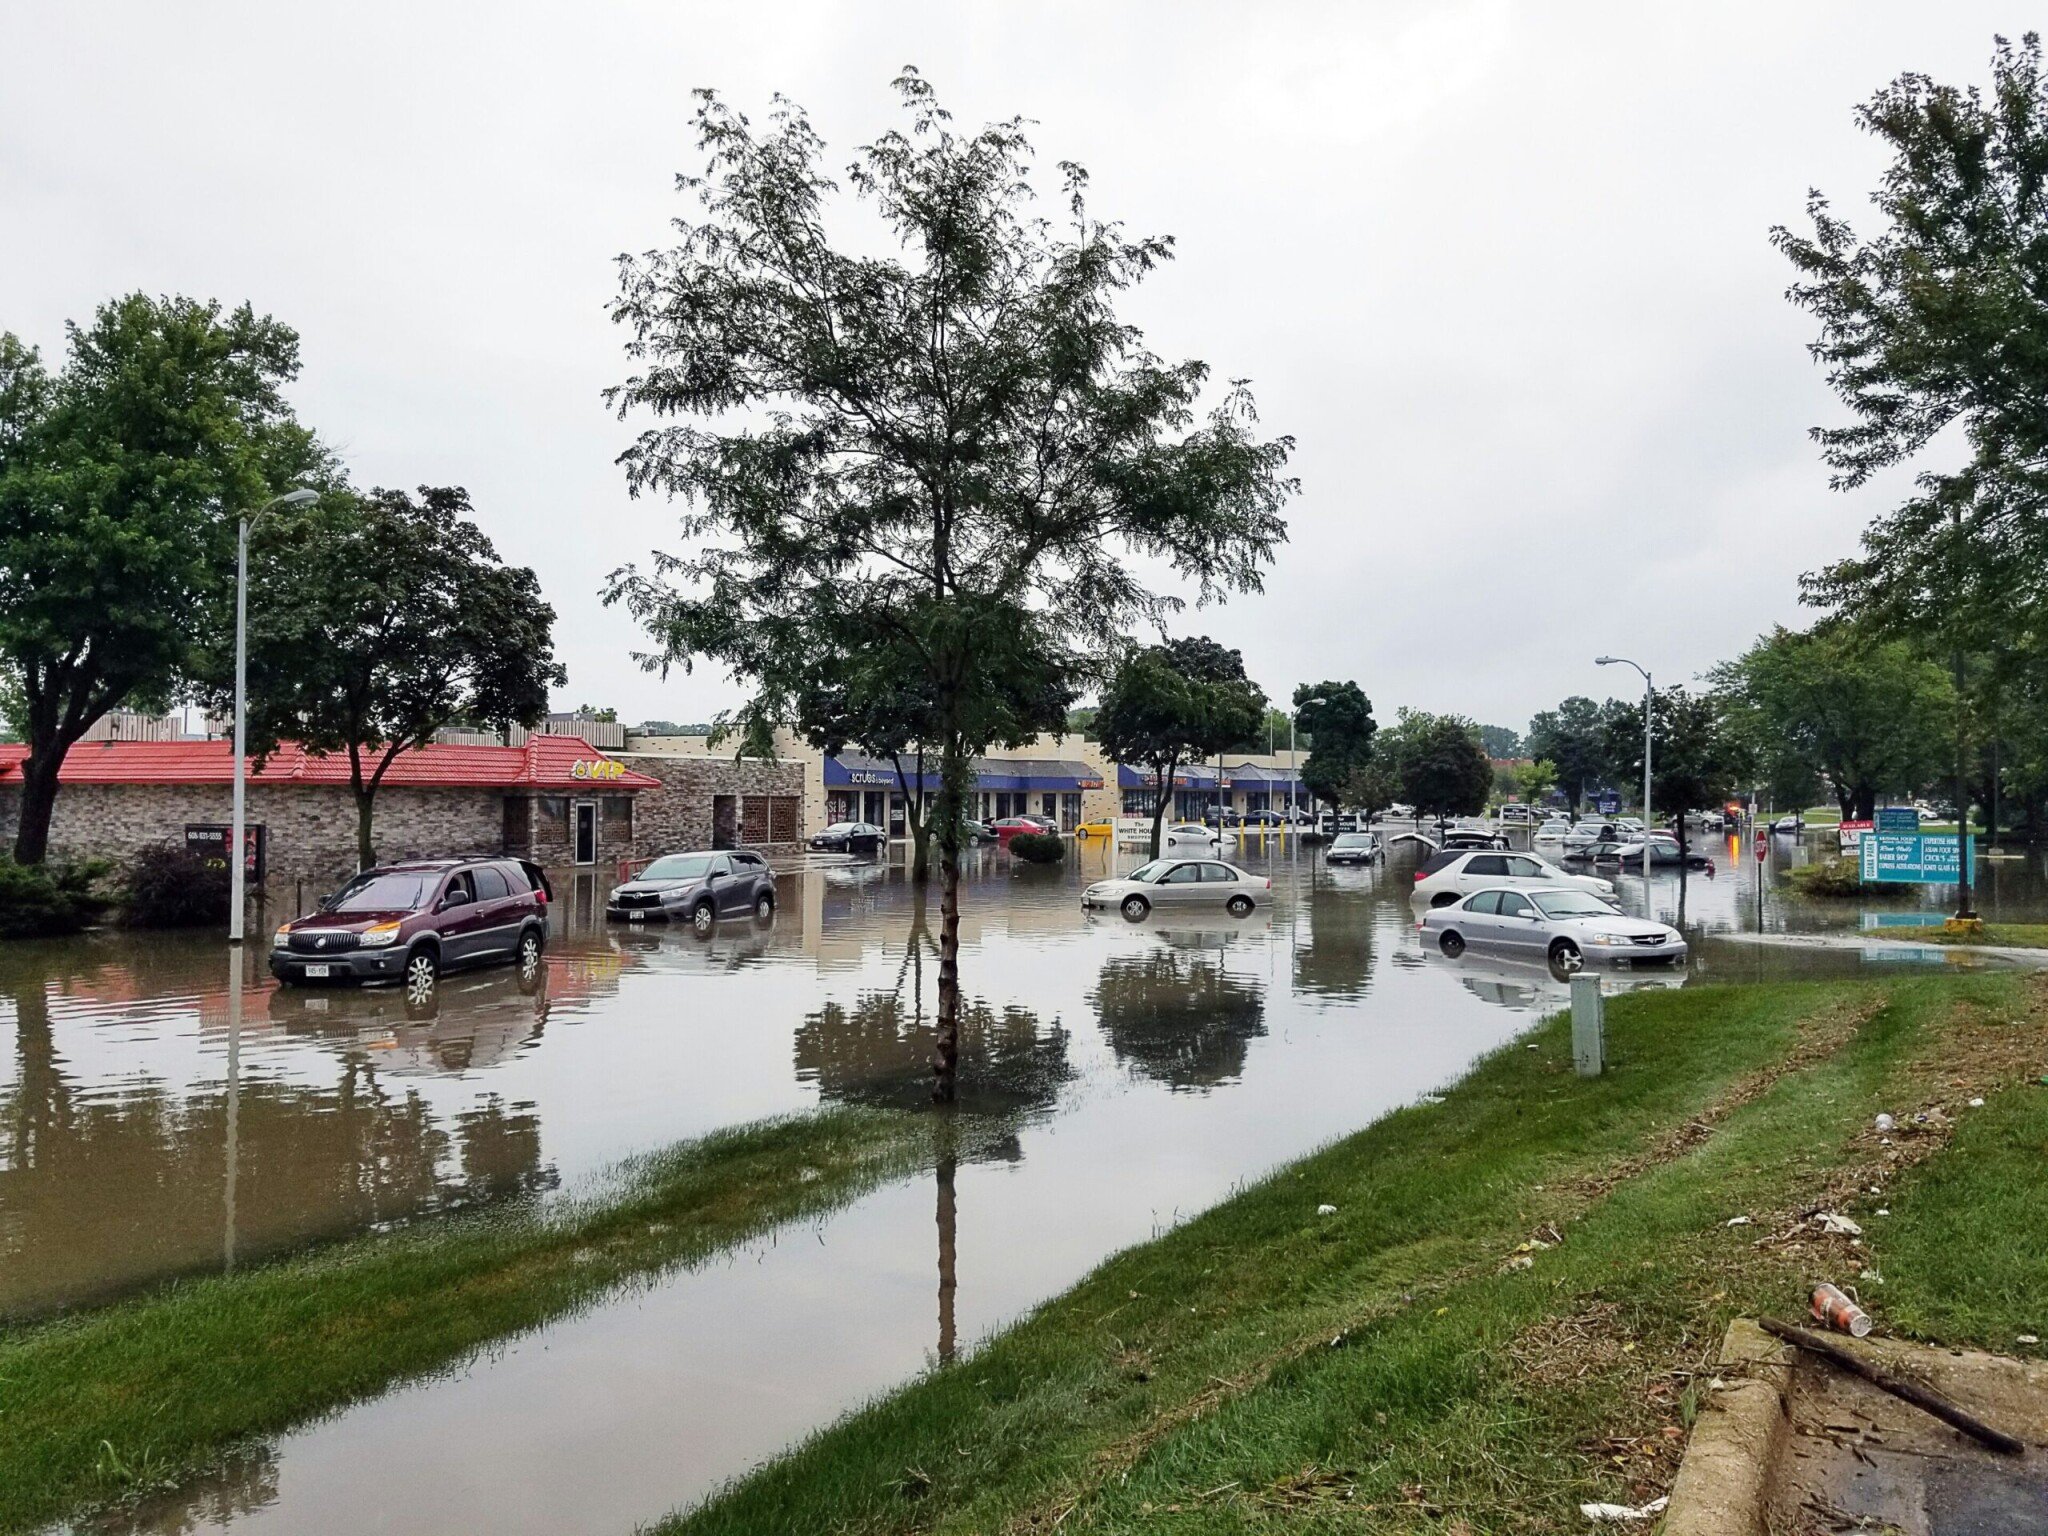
1616	1513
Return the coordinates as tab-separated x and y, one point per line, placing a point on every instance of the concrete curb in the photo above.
1723	1484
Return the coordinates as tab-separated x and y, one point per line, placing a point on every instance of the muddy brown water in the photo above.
150	1127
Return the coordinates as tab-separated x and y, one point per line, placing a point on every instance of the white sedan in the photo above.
1179	884
1444	877
1565	927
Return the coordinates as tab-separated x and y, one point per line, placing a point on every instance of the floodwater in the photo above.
161	1116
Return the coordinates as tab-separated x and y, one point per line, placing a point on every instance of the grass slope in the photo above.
1416	1356
2008	935
131	1397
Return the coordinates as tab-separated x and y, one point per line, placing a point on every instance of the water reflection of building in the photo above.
1176	1014
105	1187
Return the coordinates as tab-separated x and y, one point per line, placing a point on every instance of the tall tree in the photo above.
1338	718
1937	327
1696	760
1867	715
1171	704
1573	737
121	477
1501	741
944	437
1442	767
374	621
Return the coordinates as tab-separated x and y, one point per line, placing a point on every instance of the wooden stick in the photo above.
1925	1398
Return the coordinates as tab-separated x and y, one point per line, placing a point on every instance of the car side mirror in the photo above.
322	903
452	899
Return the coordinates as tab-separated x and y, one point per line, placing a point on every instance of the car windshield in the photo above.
1572	904
401	890
1354	840
1148	874
840	826
678	866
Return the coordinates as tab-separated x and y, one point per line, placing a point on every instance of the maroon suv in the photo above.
412	921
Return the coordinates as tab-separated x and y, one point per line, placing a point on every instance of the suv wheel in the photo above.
422	971
529	951
764	906
702	916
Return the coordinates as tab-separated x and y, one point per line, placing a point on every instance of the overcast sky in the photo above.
1501	270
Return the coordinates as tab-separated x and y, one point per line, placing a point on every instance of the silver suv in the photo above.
697	887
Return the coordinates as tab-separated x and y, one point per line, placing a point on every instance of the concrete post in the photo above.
1589	1026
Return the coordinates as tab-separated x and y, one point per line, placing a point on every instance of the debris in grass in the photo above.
2026	1338
1885	1122
1840	1225
1736	1221
1618	1513
1326	1210
1976	1103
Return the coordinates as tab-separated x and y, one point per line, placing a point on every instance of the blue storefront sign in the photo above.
1911	858
1610	802
1897	818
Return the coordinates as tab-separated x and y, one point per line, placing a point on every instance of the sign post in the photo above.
1589	1026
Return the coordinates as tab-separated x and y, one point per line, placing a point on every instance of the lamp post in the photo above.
1649	700
236	857
1294	760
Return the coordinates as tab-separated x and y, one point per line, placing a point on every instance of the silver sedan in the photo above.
1566	927
1180	884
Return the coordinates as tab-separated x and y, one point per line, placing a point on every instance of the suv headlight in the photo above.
379	934
613	898
282	937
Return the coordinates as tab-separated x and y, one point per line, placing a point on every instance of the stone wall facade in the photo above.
683	814
311	828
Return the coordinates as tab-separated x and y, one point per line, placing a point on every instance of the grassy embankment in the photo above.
2009	935
1415	1361
117	1401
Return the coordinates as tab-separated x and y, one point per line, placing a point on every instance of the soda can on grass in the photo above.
1832	1307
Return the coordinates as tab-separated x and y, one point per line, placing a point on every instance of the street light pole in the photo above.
1649	701
236	858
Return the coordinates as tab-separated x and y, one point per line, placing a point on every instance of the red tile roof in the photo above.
545	762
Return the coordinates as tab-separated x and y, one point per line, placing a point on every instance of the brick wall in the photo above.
677	816
312	828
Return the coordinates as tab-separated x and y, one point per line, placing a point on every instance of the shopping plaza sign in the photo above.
1911	857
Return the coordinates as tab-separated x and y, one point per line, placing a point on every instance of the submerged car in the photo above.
1180	883
1443	877
410	922
1663	851
850	837
699	887
1356	848
1567	928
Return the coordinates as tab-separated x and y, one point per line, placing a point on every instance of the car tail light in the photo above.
540	895
1420	876
1269	885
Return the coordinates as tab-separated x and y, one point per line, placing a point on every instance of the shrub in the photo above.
1039	847
42	900
169	886
1843	877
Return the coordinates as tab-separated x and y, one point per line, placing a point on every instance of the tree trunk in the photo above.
1964	906
915	818
949	1249
1162	786
1866	803
366	853
946	1042
1845	800
38	802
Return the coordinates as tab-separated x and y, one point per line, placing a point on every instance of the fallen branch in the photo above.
1924	1398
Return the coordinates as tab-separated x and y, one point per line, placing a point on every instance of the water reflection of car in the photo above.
850	837
699	887
1180	883
1355	848
467	998
727	947
413	921
1532	986
1566	927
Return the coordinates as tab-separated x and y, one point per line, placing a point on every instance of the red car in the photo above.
410	922
1014	826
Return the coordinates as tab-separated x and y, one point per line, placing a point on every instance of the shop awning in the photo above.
852	770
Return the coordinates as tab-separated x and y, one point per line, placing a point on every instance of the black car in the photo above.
850	837
1356	848
701	887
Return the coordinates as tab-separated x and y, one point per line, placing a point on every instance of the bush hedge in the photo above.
1039	847
169	886
1843	877
39	901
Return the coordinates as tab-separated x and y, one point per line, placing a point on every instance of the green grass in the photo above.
1263	1368
2010	935
114	1402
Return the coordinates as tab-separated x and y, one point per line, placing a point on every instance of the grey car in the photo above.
698	888
1566	927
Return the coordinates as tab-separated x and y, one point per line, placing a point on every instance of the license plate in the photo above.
636	917
316	972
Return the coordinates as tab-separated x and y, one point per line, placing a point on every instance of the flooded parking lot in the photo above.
1124	1075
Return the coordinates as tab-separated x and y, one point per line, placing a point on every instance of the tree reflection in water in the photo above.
1177	1015
1336	960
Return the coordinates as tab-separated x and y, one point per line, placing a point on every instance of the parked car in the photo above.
413	921
1795	824
1187	833
1664	850
1591	830
1552	832
850	837
699	887
1356	848
1007	828
1180	883
1566	927
1471	837
972	831
1443	877
1045	823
